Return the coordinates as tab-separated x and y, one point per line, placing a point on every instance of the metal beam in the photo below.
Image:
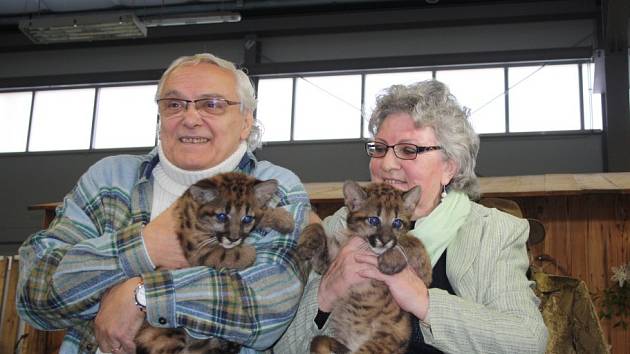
372	19
417	61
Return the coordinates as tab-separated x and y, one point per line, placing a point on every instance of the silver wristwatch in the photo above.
140	297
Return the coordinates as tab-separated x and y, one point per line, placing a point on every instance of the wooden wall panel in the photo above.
587	234
617	254
9	320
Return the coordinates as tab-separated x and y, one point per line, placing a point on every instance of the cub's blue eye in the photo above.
397	223
374	220
247	219
221	217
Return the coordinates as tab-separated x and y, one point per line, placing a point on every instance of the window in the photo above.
482	91
544	98
538	98
328	107
16	111
275	107
62	120
125	117
592	101
376	83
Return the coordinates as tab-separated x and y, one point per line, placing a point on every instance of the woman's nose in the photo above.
390	161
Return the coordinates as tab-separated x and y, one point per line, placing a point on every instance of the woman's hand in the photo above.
118	319
342	273
408	290
162	242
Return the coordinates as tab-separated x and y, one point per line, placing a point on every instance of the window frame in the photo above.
306	74
435	68
96	87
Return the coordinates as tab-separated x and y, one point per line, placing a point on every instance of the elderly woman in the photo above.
480	299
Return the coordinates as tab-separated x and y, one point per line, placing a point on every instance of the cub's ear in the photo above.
354	195
411	199
203	192
264	190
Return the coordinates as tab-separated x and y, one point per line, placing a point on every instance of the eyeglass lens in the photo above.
211	106
404	151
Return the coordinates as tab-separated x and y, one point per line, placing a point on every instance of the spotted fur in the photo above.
368	320
215	216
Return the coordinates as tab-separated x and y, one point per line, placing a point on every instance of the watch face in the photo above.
140	297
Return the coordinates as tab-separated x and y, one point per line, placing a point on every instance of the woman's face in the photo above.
429	170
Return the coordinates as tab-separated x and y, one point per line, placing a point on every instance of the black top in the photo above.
439	281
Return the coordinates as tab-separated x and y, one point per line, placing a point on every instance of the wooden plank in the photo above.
594	182
621	180
10	320
554	213
512	185
617	256
560	183
35	340
601	211
3	278
53	341
508	186
577	231
529	185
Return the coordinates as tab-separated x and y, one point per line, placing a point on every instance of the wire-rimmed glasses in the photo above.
212	106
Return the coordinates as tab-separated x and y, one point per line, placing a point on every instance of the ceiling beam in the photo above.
345	21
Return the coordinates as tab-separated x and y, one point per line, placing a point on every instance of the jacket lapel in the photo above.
464	250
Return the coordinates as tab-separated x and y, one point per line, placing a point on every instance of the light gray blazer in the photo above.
495	310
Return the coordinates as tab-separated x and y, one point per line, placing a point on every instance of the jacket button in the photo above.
162	320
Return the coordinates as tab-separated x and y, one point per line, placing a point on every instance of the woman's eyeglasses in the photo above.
404	151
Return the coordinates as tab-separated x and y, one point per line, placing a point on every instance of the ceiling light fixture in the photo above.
82	28
191	19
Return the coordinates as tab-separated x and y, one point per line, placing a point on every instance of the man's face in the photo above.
190	140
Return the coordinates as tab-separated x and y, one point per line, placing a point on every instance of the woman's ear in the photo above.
450	169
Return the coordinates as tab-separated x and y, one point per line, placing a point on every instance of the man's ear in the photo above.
248	122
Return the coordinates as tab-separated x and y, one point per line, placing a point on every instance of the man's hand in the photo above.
162	243
342	273
118	319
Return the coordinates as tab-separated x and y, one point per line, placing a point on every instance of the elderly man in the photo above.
112	250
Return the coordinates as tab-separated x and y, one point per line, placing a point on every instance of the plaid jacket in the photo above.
94	243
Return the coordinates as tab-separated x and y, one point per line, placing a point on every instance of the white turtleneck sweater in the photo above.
171	181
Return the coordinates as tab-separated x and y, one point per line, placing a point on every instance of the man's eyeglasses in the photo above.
213	106
404	151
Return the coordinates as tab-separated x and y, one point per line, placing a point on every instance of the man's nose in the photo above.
191	115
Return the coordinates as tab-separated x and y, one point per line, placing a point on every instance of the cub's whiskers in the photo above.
206	243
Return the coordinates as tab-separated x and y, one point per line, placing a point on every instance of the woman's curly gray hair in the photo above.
431	104
244	88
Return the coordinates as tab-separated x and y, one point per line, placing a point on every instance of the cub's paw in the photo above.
392	261
312	241
278	219
418	257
